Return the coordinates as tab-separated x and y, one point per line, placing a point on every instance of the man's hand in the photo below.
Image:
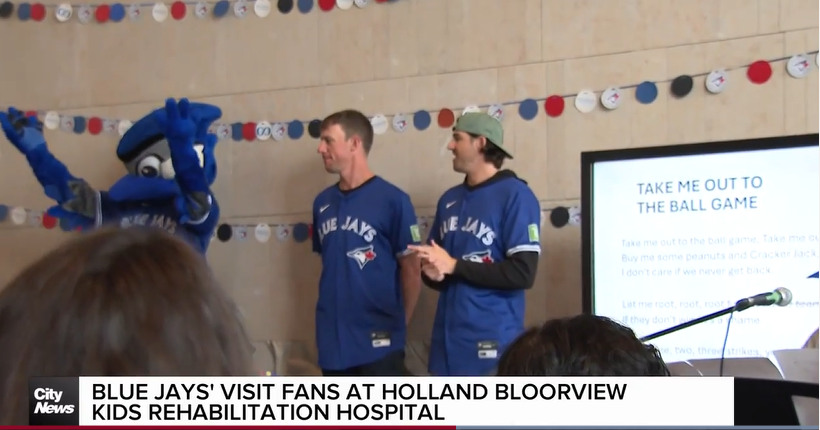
26	134
435	260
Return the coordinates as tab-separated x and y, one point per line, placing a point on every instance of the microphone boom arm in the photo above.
693	322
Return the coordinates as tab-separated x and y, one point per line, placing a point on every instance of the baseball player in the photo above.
370	281
482	255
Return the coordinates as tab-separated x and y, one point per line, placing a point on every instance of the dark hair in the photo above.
583	345
353	123
492	153
116	302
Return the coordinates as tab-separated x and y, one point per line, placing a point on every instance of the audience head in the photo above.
583	345
121	302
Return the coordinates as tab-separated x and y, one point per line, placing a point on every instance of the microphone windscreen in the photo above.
785	296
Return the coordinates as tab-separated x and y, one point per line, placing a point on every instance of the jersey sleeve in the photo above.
317	242
406	228
522	224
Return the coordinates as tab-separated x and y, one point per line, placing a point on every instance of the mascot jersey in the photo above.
169	158
360	235
482	224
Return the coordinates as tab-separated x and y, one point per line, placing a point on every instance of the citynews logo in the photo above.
54	402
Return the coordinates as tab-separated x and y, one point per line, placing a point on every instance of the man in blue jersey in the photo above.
370	281
482	255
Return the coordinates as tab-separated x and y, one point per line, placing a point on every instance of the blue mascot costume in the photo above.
170	162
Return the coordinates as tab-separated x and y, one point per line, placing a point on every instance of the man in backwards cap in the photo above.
482	254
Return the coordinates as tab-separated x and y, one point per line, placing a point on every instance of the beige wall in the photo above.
399	58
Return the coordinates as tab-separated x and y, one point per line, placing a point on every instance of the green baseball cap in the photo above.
482	124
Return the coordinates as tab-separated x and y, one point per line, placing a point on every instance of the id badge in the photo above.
380	339
488	349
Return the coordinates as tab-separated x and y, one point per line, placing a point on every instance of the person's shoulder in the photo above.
519	188
390	190
323	196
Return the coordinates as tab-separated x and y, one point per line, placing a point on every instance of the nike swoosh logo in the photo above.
322	209
450	204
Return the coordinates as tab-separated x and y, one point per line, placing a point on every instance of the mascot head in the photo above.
147	157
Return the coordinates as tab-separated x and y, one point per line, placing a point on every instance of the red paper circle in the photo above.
38	12
249	131
759	72
94	125
381	1
49	221
178	10
327	5
102	13
554	106
446	118
31	113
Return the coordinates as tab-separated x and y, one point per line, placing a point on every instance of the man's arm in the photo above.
406	233
521	238
434	236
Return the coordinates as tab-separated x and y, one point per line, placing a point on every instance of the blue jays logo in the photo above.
362	256
479	257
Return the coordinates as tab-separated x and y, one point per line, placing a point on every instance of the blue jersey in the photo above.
360	235
162	214
485	224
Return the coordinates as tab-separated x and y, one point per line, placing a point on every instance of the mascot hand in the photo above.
26	134
85	200
178	125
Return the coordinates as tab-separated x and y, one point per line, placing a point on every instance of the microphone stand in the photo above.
739	307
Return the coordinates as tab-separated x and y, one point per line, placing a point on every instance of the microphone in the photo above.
780	297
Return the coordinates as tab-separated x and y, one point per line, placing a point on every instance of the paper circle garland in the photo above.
262	233
400	123
300	232
611	98
284	6
160	12
496	111
263	130
446	118
224	232
379	123
315	128
327	5
344	4
681	86
178	10
554	106
421	120
559	217
798	66
585	101
528	109
261	8
471	108
18	216
646	92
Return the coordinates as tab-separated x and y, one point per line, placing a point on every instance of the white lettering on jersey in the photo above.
163	222
361	228
481	231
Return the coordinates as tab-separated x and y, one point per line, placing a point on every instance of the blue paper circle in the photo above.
79	124
117	12
646	92
221	8
65	224
296	129
300	232
304	6
528	109
421	120
24	11
236	131
4	212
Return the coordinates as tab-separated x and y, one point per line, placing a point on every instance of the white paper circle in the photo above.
240	232
63	12
240	9
278	131
110	125
574	216
201	9
282	233
263	130
379	123
471	108
496	111
35	219
223	131
160	12
18	216
84	14
123	126
134	12
360	3
66	123
344	4
400	123
262	233
52	120
261	8
585	101
612	98
716	81
798	66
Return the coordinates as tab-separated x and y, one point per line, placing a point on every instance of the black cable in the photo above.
725	340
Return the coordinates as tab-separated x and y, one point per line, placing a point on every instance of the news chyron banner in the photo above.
422	401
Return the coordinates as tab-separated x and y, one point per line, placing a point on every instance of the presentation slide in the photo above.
677	238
